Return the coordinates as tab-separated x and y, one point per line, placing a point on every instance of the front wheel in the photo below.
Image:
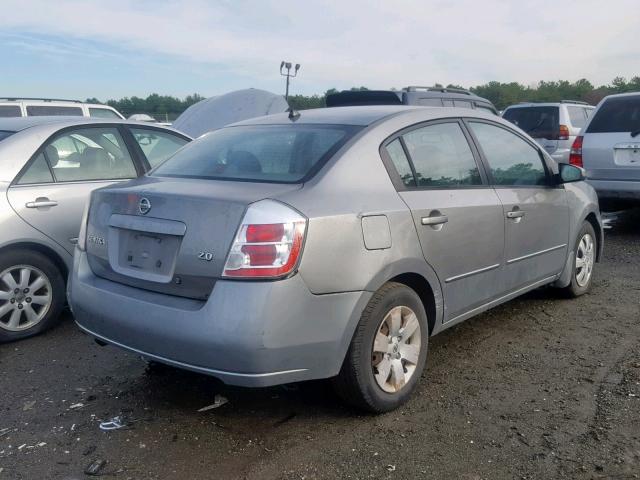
388	351
31	294
584	259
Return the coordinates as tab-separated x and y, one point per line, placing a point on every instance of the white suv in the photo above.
38	107
553	125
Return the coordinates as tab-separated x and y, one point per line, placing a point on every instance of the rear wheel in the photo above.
583	262
31	294
388	351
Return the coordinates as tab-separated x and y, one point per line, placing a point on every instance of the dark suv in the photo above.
424	96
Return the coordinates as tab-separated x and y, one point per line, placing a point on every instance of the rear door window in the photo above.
10	111
157	146
617	114
38	172
539	122
442	156
54	110
260	153
512	160
401	163
87	154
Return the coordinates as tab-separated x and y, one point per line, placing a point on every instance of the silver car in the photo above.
330	243
609	149
554	125
48	167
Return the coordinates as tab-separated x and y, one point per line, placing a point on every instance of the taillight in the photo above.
575	155
564	133
268	243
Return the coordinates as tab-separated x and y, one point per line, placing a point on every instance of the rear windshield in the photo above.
263	153
4	134
619	114
45	110
539	122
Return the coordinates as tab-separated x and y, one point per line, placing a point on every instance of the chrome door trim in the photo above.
535	254
473	272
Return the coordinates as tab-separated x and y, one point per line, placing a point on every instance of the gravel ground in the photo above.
538	388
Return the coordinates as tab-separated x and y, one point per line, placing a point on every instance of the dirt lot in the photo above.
538	388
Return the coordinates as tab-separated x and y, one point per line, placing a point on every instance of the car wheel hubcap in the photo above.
25	297
585	257
396	349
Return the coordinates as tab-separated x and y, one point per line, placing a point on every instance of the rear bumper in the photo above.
247	333
616	189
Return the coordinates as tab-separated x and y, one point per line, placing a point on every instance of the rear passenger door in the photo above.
457	215
535	211
51	191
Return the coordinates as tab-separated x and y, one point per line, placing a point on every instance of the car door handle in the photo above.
435	220
41	202
515	214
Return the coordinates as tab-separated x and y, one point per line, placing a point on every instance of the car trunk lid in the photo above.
169	235
611	156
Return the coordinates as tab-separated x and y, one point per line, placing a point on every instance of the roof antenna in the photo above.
293	114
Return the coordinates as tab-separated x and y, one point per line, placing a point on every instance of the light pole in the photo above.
287	66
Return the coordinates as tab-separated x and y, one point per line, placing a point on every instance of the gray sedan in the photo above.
48	167
330	243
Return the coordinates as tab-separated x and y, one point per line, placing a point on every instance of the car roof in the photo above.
358	116
550	104
616	95
17	124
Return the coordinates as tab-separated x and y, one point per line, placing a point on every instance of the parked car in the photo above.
609	149
553	125
39	107
48	166
414	95
330	243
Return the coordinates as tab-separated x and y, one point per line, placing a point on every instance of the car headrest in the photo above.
242	161
52	155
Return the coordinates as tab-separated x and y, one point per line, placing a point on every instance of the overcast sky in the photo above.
110	49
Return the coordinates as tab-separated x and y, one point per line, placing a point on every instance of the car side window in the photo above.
38	172
577	117
157	146
512	160
102	113
442	156
401	162
90	154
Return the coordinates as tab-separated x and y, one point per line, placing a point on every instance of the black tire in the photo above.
39	261
356	383
575	289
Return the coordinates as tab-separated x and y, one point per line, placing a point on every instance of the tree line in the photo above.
166	107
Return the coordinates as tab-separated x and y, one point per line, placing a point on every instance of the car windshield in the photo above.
539	122
264	153
618	114
4	134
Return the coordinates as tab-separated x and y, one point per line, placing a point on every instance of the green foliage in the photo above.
502	95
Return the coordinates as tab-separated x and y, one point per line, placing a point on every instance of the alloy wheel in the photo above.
25	297
585	257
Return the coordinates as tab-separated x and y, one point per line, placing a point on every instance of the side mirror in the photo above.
570	173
